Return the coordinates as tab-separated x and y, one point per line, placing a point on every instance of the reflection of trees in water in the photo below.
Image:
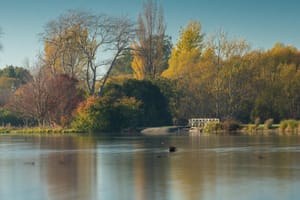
209	164
70	169
144	169
193	170
272	157
131	170
151	173
114	174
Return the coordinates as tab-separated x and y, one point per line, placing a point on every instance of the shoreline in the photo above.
148	131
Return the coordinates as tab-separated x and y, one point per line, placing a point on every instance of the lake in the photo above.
139	167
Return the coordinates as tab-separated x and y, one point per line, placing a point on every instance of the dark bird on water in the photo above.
260	157
172	149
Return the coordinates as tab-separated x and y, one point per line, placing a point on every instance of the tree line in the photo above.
101	72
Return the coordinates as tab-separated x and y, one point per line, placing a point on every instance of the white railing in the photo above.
201	122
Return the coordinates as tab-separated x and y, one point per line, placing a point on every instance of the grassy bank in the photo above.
37	130
61	131
287	127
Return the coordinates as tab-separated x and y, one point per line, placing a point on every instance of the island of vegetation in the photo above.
102	73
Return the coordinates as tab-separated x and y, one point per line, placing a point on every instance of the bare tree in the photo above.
225	50
62	54
31	100
224	47
150	42
93	41
120	38
49	99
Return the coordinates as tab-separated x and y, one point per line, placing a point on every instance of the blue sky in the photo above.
261	22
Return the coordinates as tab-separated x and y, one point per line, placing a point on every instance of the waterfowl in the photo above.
172	149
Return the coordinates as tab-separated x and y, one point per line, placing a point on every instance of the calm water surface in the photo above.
137	168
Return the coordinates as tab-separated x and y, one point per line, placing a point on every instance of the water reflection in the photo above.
208	167
46	168
238	168
71	171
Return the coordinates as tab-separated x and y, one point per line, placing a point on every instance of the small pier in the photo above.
198	124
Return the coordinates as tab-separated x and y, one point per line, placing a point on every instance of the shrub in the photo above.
213	127
9	118
106	114
257	121
154	104
252	127
283	125
292	125
4	130
289	125
268	123
231	125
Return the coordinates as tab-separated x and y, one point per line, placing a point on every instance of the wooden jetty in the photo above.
198	124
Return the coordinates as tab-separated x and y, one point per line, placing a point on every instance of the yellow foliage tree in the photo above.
187	52
137	65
